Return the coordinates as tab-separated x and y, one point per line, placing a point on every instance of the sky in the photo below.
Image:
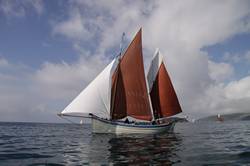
50	51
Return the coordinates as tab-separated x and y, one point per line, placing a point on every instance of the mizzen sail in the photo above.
129	90
163	97
95	98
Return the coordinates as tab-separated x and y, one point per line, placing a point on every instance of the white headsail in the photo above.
154	67
95	98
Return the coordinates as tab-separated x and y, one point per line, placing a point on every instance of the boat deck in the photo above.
161	123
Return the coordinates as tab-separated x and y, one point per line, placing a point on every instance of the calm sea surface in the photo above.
203	143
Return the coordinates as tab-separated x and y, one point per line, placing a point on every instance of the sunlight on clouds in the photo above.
37	95
238	89
220	71
63	80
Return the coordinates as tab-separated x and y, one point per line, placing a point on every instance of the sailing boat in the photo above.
219	118
121	91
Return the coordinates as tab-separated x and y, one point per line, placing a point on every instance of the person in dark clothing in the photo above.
126	121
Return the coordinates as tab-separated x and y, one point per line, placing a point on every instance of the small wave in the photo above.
6	137
27	149
47	164
22	156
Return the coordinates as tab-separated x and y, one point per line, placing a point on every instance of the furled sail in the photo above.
95	98
163	97
129	90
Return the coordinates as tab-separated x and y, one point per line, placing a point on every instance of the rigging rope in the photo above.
70	121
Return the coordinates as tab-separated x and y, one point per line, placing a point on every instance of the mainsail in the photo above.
95	98
129	90
163	97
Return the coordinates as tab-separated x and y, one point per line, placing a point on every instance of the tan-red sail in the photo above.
164	100
118	95
129	95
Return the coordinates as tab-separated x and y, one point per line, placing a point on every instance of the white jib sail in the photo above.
95	98
154	67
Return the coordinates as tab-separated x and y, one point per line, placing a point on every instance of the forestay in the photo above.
95	98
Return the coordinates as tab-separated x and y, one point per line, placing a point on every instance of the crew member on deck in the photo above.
126	121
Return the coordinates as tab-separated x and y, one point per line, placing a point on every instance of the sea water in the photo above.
203	143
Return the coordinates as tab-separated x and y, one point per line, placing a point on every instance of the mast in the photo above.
117	82
150	103
129	90
163	97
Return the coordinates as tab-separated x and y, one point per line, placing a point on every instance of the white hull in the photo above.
104	126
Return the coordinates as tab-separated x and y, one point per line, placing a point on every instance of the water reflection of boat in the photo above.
134	149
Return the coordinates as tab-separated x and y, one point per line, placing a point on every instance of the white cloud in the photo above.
232	58
73	27
104	20
20	8
238	89
10	9
37	5
15	98
61	81
37	95
247	56
220	71
3	62
237	58
228	98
